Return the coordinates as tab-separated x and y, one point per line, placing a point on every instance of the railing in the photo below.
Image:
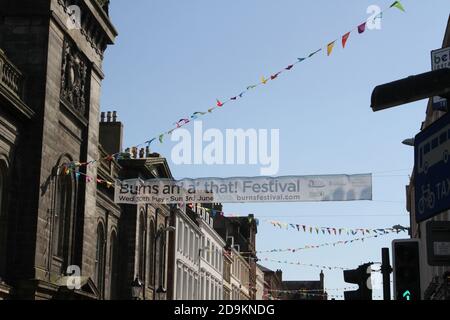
10	76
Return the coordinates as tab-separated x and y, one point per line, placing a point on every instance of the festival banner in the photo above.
245	189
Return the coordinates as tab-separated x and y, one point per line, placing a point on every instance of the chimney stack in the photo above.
111	132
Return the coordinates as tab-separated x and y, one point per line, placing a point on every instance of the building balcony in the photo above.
10	77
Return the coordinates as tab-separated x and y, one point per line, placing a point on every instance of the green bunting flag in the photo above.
398	5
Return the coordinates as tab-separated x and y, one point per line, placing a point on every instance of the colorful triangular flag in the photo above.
330	47
362	28
398	5
345	38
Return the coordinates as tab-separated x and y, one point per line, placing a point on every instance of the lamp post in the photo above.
136	289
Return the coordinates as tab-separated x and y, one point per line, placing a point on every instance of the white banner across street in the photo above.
245	189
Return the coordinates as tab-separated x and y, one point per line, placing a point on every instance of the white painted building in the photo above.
259	283
211	258
240	277
187	258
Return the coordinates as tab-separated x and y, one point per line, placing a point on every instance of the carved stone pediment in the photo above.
74	78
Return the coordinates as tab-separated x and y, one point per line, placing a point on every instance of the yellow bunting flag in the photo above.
330	47
263	80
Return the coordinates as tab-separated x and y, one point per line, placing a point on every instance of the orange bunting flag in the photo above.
345	38
330	47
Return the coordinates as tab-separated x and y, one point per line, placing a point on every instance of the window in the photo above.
186	240
191	245
180	235
3	217
190	286
161	243
185	278
208	250
213	256
195	297
203	247
113	266
100	259
62	221
202	287
151	254
434	143
426	148
443	137
196	249
207	288
141	245
179	283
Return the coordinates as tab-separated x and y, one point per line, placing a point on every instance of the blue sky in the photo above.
175	57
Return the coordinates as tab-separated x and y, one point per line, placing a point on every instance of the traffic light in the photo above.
361	277
406	269
414	88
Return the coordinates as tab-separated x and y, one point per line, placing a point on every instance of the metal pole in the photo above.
386	271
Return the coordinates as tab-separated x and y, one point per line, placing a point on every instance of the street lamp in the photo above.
136	289
409	142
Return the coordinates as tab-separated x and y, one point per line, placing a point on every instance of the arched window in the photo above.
113	266
161	257
141	246
63	216
100	258
151	254
3	218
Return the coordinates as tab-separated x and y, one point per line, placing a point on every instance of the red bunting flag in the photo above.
273	77
219	104
345	38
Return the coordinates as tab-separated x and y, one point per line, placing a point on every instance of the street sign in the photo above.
432	169
440	59
438	243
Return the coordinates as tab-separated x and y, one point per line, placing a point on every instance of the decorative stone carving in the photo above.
74	78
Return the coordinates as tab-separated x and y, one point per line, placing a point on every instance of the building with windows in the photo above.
211	255
259	283
184	279
227	263
240	276
50	84
273	283
240	234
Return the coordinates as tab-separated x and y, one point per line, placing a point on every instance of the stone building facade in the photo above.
50	219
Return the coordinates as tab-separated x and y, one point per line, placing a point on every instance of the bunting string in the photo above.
219	104
327	244
333	230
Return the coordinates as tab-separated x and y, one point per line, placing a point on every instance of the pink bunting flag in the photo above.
345	38
362	28
219	104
